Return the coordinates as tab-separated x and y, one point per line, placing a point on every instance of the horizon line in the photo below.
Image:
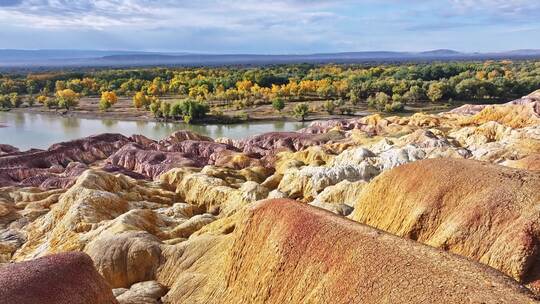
264	54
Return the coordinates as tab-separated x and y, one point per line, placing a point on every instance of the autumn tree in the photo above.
341	87
75	85
67	99
4	102
15	100
199	92
435	91
89	86
157	88
108	99
326	89
165	109
31	86
354	98
42	99
400	88
155	108
140	100
244	87
50	102
415	94
60	85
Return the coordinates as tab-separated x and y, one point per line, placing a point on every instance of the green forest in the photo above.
384	87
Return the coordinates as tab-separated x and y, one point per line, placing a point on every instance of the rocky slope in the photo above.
483	211
180	220
307	255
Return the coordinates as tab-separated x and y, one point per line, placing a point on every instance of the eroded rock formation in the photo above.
66	278
179	220
483	211
282	251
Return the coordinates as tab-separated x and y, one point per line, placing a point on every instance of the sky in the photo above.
270	27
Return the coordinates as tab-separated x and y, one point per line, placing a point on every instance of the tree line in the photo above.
385	87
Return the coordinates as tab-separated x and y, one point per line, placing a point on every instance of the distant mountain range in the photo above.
32	59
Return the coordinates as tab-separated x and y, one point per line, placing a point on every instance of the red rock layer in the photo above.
67	278
283	251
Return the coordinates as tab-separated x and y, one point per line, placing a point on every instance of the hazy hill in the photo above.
89	58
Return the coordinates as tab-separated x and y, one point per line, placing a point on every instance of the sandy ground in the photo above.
124	110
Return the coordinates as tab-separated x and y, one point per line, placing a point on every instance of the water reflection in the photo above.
109	123
279	125
20	121
219	131
71	123
28	130
140	123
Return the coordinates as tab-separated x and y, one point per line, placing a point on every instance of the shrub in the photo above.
41	99
379	101
5	102
155	108
397	98
30	101
15	100
243	116
382	102
50	103
165	109
188	110
301	111
371	102
216	112
329	107
239	104
278	104
354	98
394	107
346	111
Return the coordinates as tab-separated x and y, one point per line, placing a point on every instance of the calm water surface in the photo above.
30	130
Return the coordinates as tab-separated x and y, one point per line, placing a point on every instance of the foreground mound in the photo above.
486	212
282	251
67	278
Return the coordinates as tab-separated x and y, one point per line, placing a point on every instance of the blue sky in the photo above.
270	27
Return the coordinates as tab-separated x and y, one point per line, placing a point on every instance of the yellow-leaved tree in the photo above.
108	98
140	100
67	99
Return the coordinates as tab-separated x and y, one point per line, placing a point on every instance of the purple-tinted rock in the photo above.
35	167
180	136
8	149
150	163
66	278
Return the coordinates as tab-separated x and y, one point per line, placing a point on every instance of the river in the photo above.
32	130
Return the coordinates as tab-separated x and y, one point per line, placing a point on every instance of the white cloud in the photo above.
264	26
516	8
146	14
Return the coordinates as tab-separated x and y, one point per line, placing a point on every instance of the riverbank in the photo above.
40	130
123	110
